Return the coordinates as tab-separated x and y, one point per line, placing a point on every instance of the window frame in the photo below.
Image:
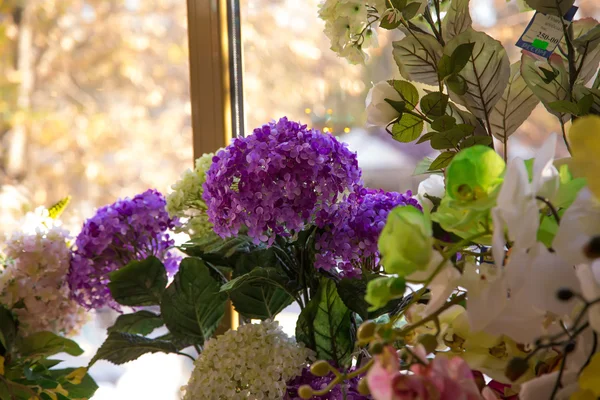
215	84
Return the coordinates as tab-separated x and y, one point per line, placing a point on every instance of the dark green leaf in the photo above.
445	67
47	344
407	91
408	129
397	105
461	56
260	294
564	107
457	84
427	136
216	250
448	140
411	10
473	140
352	292
139	283
585	104
83	390
8	330
192	305
120	348
141	323
442	161
178	342
434	104
443	123
325	325
549	75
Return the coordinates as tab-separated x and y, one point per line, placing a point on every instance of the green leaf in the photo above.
564	107
408	128
427	136
434	104
83	390
139	283
325	325
47	344
445	67
515	106
460	57
580	92
551	7
589	40
260	294
56	210
448	140
417	57
141	323
465	117
408	92
352	291
457	85
120	348
411	10
192	305
8	330
457	19
473	140
533	72
486	73
442	161
585	104
397	105
443	123
216	250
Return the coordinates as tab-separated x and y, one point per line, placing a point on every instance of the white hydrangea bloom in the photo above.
254	362
186	201
37	261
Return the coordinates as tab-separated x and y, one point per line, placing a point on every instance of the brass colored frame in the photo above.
210	88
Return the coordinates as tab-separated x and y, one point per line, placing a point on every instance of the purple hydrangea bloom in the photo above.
349	388
350	240
128	230
278	180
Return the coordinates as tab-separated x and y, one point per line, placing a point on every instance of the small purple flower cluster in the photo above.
350	240
128	230
346	391
278	180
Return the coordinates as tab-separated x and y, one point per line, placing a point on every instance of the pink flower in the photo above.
441	379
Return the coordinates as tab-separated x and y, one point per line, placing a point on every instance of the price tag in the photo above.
544	33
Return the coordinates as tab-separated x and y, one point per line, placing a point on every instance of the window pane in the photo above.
95	104
290	70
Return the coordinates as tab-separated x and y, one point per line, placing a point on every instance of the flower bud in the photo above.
363	387
473	176
305	392
366	330
429	342
516	368
565	294
406	241
320	368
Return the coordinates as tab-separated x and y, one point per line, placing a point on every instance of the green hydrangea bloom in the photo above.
406	242
186	201
474	177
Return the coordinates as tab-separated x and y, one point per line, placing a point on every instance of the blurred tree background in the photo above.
94	101
94	94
